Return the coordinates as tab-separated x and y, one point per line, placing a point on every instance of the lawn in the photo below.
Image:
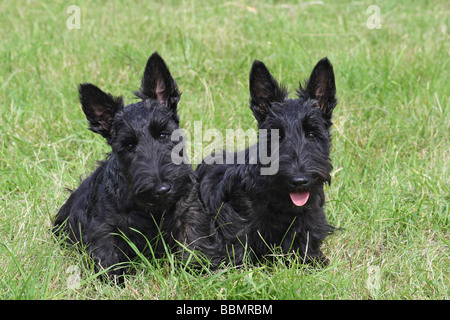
390	188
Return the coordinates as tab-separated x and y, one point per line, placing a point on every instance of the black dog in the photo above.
138	191
257	212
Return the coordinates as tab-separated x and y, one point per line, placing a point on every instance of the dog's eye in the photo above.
130	146
280	135
311	135
163	135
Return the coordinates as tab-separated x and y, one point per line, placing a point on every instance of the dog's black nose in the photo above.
299	181
162	190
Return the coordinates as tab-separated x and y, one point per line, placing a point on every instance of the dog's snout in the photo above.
161	190
299	181
157	192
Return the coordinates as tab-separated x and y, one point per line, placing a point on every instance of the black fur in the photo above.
254	212
137	191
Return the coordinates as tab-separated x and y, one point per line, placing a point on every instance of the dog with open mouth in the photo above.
255	212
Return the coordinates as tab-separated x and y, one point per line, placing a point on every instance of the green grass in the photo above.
390	190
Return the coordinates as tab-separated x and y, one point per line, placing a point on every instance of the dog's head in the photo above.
140	134
301	129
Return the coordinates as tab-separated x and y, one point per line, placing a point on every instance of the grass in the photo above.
390	190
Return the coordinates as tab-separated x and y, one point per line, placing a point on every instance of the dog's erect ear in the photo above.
264	90
157	83
99	107
321	86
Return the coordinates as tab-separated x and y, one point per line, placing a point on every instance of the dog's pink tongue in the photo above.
299	198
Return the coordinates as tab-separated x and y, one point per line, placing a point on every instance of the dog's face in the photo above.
140	135
303	133
141	142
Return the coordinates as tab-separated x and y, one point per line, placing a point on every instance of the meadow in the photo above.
390	188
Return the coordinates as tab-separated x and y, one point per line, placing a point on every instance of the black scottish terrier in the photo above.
138	193
255	213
